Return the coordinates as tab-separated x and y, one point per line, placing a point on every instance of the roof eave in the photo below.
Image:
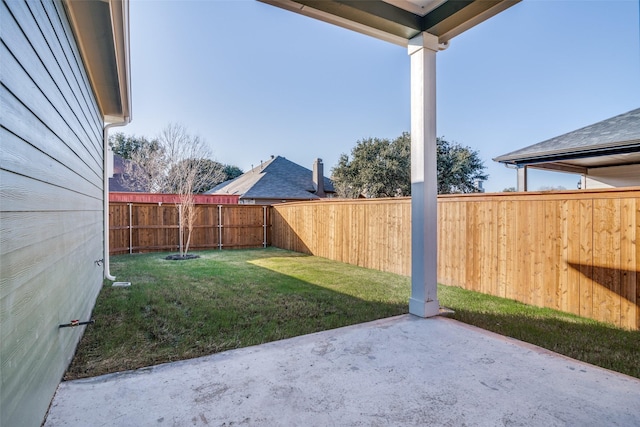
387	22
605	150
101	29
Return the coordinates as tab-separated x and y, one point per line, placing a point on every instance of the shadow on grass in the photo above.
581	339
225	300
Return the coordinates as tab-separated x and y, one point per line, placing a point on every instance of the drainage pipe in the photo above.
105	185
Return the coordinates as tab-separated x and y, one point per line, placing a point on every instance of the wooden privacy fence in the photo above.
371	233
573	251
152	227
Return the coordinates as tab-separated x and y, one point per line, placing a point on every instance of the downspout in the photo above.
105	185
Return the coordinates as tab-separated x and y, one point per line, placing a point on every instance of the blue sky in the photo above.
254	80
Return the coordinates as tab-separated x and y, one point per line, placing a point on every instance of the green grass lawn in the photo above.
229	299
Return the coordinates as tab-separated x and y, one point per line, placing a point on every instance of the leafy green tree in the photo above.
459	168
377	168
127	145
552	188
232	172
382	168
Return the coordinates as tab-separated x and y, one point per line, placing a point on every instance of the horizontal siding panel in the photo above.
58	295
77	92
51	204
34	54
23	194
24	265
20	121
45	225
16	79
20	157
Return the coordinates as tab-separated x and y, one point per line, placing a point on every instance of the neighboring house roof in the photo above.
277	178
117	182
611	142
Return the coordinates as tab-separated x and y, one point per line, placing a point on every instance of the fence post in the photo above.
130	229
264	226
180	228
220	227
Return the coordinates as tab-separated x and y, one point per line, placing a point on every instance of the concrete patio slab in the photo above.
400	371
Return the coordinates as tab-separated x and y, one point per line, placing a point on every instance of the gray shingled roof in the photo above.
277	178
617	135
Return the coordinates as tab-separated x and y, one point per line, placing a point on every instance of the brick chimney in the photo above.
318	177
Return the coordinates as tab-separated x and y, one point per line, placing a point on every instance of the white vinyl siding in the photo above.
51	204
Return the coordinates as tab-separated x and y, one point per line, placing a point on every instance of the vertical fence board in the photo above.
538	265
584	226
552	242
629	208
502	246
606	260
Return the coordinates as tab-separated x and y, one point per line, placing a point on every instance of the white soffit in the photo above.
101	29
398	21
418	7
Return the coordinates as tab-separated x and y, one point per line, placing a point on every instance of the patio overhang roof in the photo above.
611	142
424	27
398	21
580	162
101	29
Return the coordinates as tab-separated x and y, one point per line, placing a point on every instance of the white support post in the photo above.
523	185
424	188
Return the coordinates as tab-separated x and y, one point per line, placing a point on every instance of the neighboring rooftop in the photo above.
117	181
611	142
276	179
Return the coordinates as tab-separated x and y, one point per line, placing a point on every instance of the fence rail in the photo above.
577	252
151	227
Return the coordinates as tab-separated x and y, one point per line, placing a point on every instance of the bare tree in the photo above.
180	164
146	169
